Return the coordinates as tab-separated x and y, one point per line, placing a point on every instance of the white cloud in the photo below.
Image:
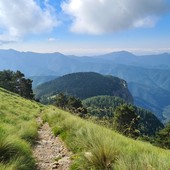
102	16
51	39
21	17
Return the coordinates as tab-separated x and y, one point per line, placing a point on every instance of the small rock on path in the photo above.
50	152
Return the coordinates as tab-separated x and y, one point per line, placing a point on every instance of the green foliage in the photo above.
126	120
166	114
84	85
17	83
102	106
102	110
61	100
74	103
163	137
99	148
70	103
149	124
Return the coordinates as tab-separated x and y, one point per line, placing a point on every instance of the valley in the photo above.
147	78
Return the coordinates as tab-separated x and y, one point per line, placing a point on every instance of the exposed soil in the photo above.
50	152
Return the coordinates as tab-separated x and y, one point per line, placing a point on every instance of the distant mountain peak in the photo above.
122	52
9	50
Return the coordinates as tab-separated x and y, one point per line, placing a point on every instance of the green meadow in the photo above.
94	147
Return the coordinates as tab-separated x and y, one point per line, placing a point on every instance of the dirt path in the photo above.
50	151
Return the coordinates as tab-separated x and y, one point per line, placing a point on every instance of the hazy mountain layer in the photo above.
141	72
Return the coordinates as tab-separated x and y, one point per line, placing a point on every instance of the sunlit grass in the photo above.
98	148
94	147
18	131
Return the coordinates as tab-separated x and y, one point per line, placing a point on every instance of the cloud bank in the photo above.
21	17
103	16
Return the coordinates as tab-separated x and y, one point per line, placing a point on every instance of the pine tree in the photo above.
17	83
126	120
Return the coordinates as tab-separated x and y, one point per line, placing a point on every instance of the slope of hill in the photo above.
105	106
95	147
18	129
84	85
25	141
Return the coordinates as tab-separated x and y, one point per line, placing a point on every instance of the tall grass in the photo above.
18	131
16	150
94	147
98	148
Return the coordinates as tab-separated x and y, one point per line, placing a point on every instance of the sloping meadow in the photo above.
18	131
94	147
98	148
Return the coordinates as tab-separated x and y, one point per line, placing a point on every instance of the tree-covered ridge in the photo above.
17	83
102	106
86	84
105	107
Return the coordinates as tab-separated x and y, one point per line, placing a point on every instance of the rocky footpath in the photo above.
50	152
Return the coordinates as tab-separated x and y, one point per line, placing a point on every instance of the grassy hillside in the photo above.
98	148
84	85
94	146
18	131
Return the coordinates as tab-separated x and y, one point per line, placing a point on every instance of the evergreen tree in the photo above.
17	83
74	102
61	100
71	103
126	120
163	137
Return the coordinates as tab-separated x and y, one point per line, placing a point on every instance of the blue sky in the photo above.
85	27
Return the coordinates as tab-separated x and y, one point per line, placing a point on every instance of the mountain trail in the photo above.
50	152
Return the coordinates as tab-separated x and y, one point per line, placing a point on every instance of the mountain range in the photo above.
148	76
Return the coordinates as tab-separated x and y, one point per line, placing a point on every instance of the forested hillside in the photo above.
104	107
84	85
